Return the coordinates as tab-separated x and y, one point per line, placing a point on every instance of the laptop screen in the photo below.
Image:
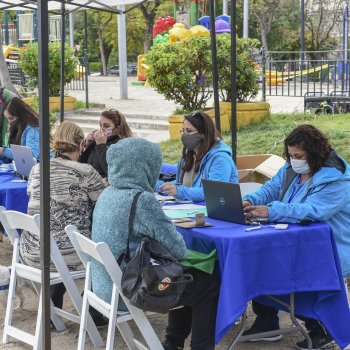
23	159
223	201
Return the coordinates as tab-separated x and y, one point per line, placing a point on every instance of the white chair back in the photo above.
88	250
12	222
249	187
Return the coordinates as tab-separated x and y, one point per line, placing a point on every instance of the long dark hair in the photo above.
25	116
312	141
121	127
205	126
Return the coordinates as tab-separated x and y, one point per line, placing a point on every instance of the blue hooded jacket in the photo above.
323	197
133	166
216	165
29	138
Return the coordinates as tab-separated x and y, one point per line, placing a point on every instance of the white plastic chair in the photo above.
88	250
248	187
13	221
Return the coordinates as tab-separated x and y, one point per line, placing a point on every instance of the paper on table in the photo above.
189	206
179	214
160	197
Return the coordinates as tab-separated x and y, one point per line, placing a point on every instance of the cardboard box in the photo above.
258	167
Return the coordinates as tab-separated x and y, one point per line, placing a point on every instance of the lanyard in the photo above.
295	190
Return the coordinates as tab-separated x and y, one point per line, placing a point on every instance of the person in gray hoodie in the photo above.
133	166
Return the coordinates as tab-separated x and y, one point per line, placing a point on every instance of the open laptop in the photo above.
23	158
224	202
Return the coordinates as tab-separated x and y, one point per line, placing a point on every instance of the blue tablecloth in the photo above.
13	195
301	259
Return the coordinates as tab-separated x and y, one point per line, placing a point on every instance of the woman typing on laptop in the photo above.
313	185
24	128
204	156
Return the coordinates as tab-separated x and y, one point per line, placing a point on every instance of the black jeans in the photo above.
57	292
200	300
267	319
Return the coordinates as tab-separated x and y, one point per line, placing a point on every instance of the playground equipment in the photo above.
274	78
11	52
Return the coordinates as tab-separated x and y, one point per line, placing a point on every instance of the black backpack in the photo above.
153	280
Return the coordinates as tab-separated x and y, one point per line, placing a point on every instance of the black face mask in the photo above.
191	141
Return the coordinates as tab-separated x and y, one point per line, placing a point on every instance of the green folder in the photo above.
200	261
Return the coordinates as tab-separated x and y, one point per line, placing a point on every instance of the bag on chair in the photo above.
153	280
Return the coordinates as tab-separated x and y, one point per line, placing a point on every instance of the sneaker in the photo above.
319	341
256	330
169	346
100	321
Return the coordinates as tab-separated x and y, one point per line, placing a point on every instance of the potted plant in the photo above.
247	86
30	62
181	71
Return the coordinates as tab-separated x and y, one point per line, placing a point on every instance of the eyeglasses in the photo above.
188	131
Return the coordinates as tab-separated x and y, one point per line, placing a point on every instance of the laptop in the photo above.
224	202
23	159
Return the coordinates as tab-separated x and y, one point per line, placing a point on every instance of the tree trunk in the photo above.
102	51
148	34
264	39
5	79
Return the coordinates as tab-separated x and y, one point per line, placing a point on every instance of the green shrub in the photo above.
34	103
247	86
95	66
181	71
30	62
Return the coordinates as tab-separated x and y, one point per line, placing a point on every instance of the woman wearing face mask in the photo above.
204	156
313	185
24	128
113	127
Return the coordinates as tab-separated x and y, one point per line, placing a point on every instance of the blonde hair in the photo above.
68	137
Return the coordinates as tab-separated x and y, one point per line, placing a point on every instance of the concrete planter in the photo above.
69	103
175	126
247	113
54	103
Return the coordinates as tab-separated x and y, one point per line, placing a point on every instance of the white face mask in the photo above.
300	166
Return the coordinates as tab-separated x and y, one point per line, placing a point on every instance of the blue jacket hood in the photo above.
134	163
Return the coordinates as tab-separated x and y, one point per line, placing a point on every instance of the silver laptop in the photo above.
23	158
224	202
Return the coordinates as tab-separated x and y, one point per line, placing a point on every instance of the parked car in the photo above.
131	69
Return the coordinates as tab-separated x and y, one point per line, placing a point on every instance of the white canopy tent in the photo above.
68	6
114	6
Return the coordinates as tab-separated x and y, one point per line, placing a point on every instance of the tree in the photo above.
5	79
321	20
264	12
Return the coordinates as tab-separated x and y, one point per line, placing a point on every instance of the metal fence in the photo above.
19	79
78	83
300	78
17	75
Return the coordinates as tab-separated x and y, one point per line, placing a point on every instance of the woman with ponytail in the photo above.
113	127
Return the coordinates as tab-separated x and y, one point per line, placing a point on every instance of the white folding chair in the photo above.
248	187
88	250
13	221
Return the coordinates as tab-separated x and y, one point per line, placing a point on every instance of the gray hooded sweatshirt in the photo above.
133	166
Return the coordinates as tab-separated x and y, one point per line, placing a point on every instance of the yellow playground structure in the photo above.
274	77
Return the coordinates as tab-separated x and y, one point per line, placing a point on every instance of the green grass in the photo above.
268	136
82	105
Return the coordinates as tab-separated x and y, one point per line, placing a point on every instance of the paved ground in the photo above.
144	100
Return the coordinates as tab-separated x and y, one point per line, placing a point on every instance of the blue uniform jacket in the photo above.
217	165
30	138
324	197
